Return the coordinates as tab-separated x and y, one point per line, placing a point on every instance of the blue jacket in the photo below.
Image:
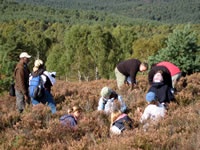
68	120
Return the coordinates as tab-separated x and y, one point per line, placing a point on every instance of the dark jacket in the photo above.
130	68
68	120
123	123
166	75
21	76
162	91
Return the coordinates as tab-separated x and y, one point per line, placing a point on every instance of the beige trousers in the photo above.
120	78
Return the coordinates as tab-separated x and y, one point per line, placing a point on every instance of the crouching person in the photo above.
40	83
108	97
71	119
153	112
120	122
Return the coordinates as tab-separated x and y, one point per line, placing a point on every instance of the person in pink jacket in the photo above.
173	69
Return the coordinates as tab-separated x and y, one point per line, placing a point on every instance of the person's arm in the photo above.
145	115
101	104
123	105
150	76
73	122
170	95
167	78
133	72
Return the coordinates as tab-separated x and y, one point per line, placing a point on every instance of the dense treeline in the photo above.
87	52
10	11
173	11
90	49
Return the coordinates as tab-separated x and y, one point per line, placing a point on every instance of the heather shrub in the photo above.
188	89
36	128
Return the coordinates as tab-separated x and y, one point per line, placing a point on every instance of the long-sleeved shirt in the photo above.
21	75
68	120
162	91
130	68
107	105
153	113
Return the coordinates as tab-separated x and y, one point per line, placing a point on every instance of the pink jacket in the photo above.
173	69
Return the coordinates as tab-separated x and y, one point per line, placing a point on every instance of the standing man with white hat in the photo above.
21	75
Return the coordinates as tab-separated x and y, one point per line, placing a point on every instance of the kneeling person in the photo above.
108	96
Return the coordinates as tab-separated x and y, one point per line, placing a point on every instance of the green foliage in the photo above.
53	62
12	11
182	50
88	49
173	11
143	47
125	36
18	37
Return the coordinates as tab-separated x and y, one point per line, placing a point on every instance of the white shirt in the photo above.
107	105
48	74
153	112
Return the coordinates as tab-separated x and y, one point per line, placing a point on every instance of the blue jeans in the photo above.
48	98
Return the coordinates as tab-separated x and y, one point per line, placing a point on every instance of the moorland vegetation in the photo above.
83	41
37	128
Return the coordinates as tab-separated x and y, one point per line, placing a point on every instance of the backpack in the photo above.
36	88
12	89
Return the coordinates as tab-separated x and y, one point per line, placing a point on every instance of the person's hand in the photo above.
25	97
139	111
129	90
27	100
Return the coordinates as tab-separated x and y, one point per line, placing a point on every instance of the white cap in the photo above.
24	55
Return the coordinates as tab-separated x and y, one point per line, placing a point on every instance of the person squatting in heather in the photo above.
71	119
153	112
163	91
119	121
107	99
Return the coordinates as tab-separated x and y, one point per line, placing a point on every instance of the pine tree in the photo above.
182	50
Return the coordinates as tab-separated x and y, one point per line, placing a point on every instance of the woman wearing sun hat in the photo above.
39	69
